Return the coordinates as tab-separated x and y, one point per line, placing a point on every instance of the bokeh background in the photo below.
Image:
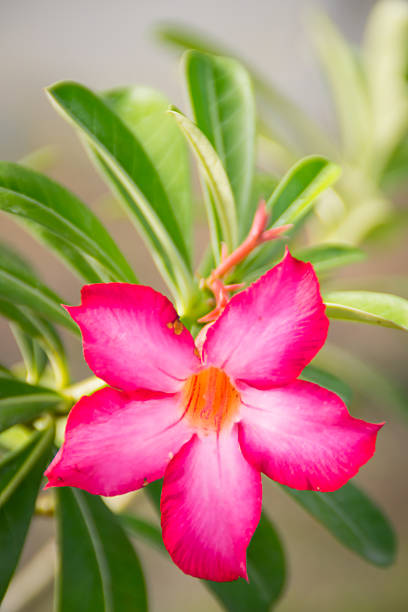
105	43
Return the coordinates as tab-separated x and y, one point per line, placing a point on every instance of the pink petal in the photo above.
211	505
116	442
130	339
302	436
268	333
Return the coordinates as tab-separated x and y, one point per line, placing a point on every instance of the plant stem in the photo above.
84	387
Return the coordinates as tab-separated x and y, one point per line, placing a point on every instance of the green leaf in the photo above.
328	256
20	478
353	519
29	323
134	177
297	191
290	202
368	307
262	187
30	328
265	563
394	176
364	378
19	284
163	262
41	331
386	65
5	372
18	315
266	572
85	267
50	207
143	530
21	402
221	209
98	568
328	381
349	87
35	360
296	124
186	37
224	109
144	111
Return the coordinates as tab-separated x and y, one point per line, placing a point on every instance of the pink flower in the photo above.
209	424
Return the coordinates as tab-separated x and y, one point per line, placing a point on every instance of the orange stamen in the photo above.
210	400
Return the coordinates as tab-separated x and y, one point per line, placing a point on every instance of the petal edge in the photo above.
303	436
269	332
132	337
210	507
116	442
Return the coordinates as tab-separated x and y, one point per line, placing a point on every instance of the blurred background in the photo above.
104	44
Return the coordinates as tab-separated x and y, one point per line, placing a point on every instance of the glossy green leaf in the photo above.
351	516
20	478
36	198
83	266
20	316
134	177
262	187
216	179
368	307
328	256
98	569
144	111
21	402
298	128
290	202
31	324
163	262
223	105
19	284
297	191
265	563
327	380
27	324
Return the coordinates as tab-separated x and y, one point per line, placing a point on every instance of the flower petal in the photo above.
268	333
130	339
211	505
303	436
116	442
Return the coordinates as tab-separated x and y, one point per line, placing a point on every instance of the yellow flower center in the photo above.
210	400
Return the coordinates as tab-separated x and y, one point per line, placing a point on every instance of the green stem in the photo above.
84	387
60	368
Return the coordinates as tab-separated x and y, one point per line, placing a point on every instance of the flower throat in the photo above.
210	400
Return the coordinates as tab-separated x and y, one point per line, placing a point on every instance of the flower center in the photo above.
210	400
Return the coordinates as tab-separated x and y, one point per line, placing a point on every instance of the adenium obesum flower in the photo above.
209	422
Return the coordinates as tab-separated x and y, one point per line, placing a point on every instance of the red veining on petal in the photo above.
210	400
